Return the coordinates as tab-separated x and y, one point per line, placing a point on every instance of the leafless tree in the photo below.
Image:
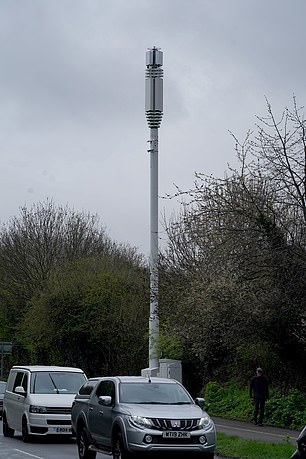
244	233
44	236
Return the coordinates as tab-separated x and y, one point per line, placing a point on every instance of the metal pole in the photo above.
154	113
154	316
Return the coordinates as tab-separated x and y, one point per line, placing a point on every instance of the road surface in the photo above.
15	448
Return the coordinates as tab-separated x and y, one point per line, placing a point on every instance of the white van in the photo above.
38	400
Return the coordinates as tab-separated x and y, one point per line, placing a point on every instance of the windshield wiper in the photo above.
55	386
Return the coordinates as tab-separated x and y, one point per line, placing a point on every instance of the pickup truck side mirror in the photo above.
20	390
105	400
200	402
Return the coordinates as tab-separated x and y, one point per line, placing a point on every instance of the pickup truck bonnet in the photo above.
164	411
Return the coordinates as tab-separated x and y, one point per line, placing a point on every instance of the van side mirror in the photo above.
20	390
200	402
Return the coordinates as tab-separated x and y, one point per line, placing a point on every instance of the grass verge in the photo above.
231	446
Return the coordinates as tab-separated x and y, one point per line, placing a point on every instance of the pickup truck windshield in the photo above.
153	393
52	382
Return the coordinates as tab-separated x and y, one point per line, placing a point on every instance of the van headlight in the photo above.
38	409
140	422
204	422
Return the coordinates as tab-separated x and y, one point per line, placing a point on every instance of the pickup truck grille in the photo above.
177	424
172	441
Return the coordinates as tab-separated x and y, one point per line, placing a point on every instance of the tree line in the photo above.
69	295
232	276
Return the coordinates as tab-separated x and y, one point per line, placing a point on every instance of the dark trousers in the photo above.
259	408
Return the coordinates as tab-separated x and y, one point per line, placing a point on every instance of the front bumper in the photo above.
150	440
46	424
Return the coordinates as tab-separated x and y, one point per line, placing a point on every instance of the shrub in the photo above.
232	401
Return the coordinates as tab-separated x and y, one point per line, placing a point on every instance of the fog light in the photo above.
148	439
202	439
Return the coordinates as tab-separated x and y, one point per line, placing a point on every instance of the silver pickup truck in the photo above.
124	416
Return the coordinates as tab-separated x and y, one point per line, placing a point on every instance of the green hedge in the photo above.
232	401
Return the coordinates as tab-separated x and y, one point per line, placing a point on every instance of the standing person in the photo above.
259	392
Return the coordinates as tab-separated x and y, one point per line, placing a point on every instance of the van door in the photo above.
15	408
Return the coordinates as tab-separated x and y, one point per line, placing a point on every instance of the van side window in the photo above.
19	380
25	382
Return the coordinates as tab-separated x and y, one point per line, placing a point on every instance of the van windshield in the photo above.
54	382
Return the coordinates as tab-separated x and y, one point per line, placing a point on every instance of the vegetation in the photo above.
236	447
232	401
233	276
70	296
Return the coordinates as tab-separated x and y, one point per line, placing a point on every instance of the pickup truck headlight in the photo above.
38	409
140	422
205	422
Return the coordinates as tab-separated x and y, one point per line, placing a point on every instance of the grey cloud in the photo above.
72	94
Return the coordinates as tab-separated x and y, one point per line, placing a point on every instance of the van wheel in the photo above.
26	437
7	431
119	451
83	445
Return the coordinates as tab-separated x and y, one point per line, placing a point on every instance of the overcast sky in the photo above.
72	121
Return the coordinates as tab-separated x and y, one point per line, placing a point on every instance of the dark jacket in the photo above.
259	387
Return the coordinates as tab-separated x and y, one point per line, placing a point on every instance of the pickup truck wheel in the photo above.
83	446
119	451
7	431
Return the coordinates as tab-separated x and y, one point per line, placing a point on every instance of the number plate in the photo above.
61	430
176	434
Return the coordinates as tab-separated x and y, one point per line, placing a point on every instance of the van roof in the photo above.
46	368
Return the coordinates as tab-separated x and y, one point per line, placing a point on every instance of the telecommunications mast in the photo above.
154	114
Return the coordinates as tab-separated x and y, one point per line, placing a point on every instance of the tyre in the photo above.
26	437
209	456
7	431
119	451
83	445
